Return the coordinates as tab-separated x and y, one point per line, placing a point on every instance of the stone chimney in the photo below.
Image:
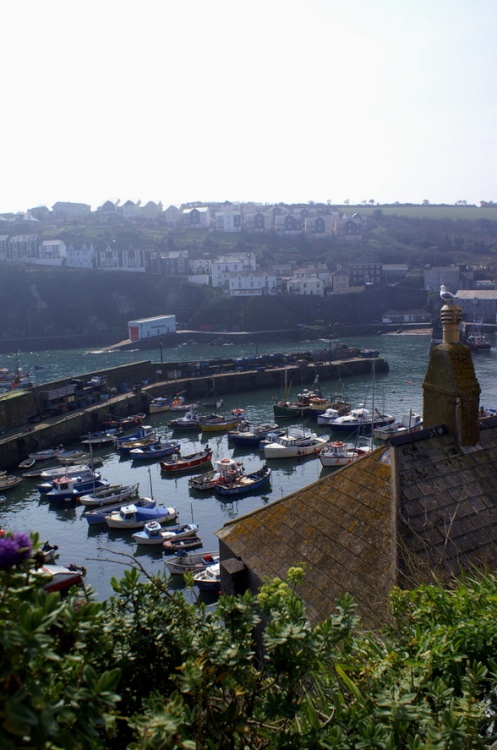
451	392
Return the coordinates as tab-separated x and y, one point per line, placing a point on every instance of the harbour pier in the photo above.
62	411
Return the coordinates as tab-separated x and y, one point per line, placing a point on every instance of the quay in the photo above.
62	411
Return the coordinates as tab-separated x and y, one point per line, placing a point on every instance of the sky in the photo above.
291	101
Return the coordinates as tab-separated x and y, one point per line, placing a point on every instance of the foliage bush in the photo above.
147	669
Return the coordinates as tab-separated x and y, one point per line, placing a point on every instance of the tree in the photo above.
147	669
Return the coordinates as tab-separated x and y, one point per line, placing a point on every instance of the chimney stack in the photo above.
451	392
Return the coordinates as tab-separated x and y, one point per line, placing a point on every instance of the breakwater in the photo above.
57	413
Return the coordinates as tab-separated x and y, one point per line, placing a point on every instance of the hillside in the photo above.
40	302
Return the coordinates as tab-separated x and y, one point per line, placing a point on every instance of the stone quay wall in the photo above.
22	437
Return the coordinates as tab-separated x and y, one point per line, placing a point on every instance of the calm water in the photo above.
101	551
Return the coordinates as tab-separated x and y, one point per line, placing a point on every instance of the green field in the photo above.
455	213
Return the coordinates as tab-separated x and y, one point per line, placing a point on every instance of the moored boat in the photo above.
9	481
121	423
46	454
243	483
190	462
155	450
99	438
361	419
160	404
208	579
292	446
406	424
59	577
183	562
251	434
110	495
183	545
70	488
337	453
133	517
220	423
97	515
154	533
189	421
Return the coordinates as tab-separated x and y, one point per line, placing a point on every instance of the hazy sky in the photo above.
268	100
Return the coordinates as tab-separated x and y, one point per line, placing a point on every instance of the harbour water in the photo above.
106	553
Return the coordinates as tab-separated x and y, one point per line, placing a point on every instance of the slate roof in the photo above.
339	526
421	506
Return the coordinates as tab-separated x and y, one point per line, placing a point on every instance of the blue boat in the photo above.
70	488
243	483
248	434
97	515
155	450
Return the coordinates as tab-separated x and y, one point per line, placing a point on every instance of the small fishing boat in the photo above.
56	471
145	435
96	516
9	481
110	495
71	488
133	517
160	404
190	462
80	457
208	579
46	454
204	482
291	446
184	545
121	423
337	453
225	468
189	421
406	424
27	463
251	434
154	533
155	450
243	483
59	577
219	423
100	438
183	562
361	419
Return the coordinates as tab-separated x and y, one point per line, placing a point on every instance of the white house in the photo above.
52	253
234	263
229	221
252	284
80	257
114	259
306	286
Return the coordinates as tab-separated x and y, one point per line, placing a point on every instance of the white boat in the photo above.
407	423
96	516
46	454
189	421
114	493
329	416
57	471
154	533
160	404
132	517
193	562
337	453
361	419
208	579
291	446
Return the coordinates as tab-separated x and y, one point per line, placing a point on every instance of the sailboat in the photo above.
361	419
